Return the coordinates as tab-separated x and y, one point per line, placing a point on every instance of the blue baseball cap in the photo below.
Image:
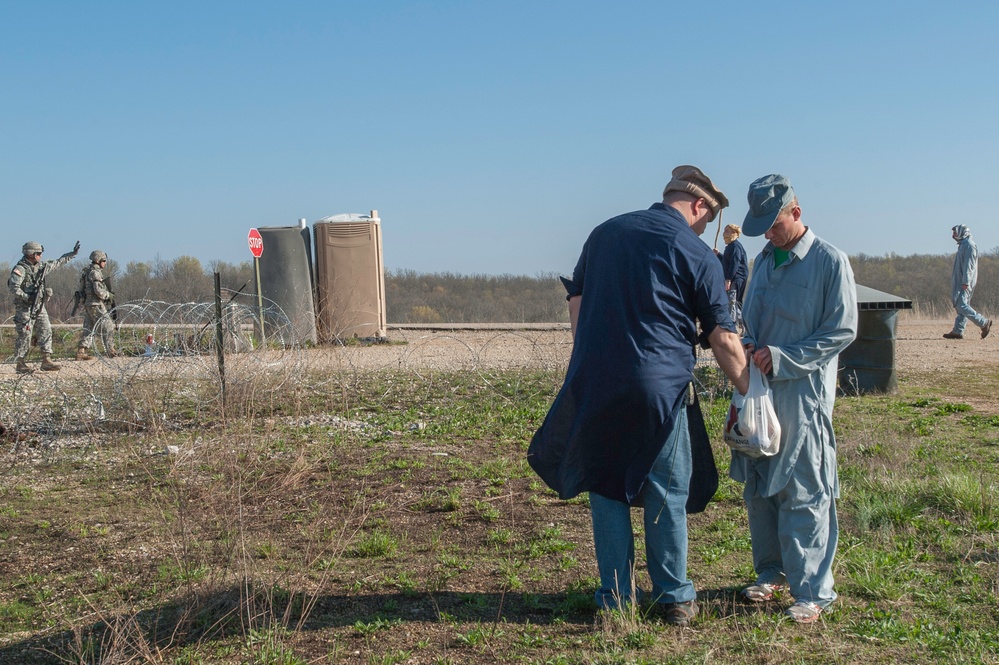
767	197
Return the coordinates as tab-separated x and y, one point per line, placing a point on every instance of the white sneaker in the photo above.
804	611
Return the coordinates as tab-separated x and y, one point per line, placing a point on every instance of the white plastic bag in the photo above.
752	428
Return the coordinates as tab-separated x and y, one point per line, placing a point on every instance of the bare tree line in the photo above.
181	280
445	297
413	297
925	280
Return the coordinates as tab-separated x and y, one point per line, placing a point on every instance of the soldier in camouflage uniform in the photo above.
97	299
25	281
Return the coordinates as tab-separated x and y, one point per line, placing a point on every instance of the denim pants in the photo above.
664	501
795	534
965	311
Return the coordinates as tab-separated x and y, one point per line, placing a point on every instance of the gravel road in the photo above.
919	347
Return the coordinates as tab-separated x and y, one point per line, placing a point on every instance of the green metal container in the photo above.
868	364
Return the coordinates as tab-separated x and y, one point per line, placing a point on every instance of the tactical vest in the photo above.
32	274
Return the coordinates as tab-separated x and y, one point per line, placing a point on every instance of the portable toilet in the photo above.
286	284
350	277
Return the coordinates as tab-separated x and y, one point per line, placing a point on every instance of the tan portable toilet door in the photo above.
350	277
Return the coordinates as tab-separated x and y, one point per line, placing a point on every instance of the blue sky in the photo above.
490	136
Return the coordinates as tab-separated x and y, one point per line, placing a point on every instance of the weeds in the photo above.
389	516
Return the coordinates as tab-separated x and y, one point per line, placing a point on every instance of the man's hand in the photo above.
48	293
76	248
763	360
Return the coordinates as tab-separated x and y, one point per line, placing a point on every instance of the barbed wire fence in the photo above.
167	364
166	354
167	374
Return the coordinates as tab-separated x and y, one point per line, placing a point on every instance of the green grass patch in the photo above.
391	517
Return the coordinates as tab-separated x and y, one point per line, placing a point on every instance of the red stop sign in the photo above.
256	243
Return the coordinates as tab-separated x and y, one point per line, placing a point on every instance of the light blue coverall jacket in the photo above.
965	272
805	311
965	269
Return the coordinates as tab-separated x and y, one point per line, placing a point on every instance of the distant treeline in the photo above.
925	280
181	280
413	297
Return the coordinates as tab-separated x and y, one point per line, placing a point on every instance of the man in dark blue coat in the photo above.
618	428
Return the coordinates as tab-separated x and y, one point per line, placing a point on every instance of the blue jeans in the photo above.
664	501
965	311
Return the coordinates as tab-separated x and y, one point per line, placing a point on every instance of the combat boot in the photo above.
22	367
112	353
81	354
47	364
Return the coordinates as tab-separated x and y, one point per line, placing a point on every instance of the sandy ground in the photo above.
919	347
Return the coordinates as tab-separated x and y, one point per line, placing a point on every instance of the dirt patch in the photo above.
921	346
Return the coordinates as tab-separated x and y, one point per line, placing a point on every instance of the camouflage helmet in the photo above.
31	248
97	256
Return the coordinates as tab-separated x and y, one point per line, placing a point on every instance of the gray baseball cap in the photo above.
767	197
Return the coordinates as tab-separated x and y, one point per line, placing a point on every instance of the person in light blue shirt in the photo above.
962	284
800	312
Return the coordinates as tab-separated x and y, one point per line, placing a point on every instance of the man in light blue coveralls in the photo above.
962	284
800	312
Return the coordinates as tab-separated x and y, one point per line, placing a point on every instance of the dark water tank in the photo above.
286	283
868	364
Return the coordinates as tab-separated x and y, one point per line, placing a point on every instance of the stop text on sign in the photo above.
255	242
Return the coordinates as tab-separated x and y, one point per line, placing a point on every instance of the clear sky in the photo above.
490	136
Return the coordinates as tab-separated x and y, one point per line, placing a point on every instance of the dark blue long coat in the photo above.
645	279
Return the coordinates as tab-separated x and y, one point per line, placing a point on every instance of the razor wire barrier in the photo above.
167	376
163	348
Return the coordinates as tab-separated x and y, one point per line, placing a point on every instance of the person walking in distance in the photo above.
800	313
624	426
27	285
97	298
962	284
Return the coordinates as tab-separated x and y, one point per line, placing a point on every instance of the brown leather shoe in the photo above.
81	354
986	328
22	367
954	335
678	614
47	364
